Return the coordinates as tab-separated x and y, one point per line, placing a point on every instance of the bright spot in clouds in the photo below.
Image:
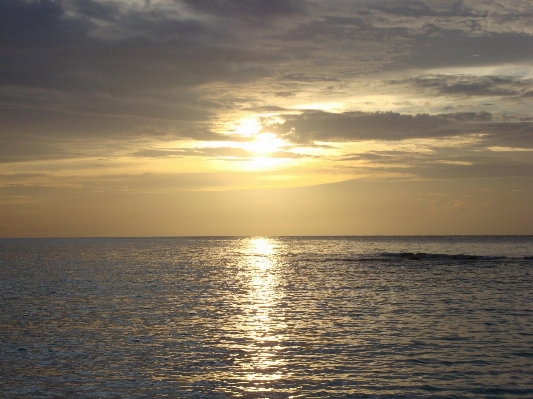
248	127
265	143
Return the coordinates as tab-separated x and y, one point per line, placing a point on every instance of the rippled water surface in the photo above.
267	317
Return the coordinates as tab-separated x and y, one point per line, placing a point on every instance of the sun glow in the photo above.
260	163
266	143
264	147
248	127
260	142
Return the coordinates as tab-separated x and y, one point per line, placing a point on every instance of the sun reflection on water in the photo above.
264	321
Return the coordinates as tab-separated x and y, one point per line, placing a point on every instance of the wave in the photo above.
437	256
416	256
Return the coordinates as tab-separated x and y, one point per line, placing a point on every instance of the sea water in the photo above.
267	317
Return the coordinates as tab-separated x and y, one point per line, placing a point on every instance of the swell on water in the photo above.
395	256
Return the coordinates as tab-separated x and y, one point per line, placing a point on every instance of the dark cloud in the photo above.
33	36
301	77
386	35
342	29
107	10
468	85
37	23
45	46
468	116
439	47
414	8
58	45
132	50
71	124
353	126
517	134
313	126
20	149
256	9
284	93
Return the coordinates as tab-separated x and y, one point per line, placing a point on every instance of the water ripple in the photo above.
261	317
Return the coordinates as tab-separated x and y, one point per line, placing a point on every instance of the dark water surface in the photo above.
388	317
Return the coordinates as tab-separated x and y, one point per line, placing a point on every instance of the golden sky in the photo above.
252	117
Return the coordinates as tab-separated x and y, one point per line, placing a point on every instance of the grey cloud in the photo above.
468	116
159	153
284	93
440	47
36	23
44	46
339	28
201	152
124	68
301	77
414	8
468	85
389	157
267	108
139	183
20	149
157	47
57	123
353	126
404	34
101	10
220	152
207	135
16	176
31	132
510	134
469	161
483	169
255	9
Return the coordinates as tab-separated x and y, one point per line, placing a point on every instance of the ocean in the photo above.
267	317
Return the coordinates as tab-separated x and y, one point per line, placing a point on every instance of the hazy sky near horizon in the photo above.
265	117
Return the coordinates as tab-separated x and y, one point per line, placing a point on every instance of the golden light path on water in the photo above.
263	320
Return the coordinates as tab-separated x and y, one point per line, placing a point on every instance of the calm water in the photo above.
267	317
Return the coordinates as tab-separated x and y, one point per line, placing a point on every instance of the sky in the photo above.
265	117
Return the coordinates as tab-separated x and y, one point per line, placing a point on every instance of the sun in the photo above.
258	142
248	127
266	149
265	143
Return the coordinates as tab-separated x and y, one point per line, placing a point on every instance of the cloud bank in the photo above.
368	89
